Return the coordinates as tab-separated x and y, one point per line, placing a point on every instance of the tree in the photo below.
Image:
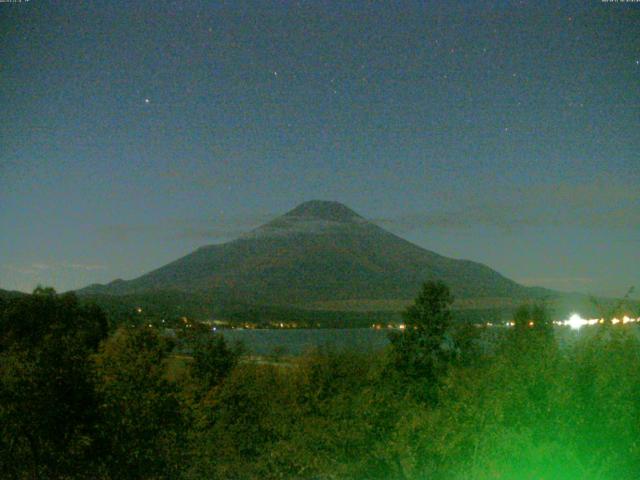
533	329
237	423
48	408
142	420
604	406
420	351
213	360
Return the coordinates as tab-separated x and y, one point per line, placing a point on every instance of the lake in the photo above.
297	341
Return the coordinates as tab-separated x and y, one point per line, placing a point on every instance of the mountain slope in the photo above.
9	294
319	251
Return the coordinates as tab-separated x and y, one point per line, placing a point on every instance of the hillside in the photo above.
9	294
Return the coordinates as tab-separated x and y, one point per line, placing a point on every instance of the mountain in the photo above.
319	255
9	294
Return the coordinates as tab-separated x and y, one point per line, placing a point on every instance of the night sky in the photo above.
502	132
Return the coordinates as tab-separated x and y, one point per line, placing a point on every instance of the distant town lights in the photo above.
575	322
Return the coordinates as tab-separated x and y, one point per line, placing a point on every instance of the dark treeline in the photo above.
81	400
171	306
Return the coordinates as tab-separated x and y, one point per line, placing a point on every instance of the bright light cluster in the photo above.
575	321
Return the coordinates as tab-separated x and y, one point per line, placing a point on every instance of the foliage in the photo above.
142	419
213	360
48	407
534	318
420	350
523	408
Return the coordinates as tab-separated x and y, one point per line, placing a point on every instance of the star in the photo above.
146	100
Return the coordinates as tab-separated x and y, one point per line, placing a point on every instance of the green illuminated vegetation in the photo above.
80	400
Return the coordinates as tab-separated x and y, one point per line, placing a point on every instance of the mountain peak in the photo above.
324	210
312	217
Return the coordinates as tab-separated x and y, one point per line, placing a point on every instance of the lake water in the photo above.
297	341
